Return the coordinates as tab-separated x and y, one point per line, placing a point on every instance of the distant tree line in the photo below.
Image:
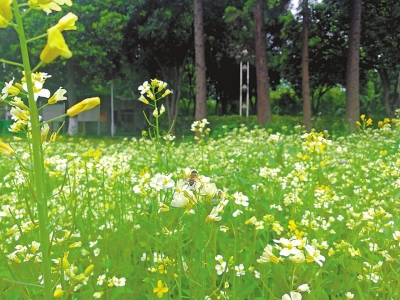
337	46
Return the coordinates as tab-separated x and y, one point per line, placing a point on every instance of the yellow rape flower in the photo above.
160	290
48	5
67	22
58	96
9	89
55	46
58	293
19	103
3	22
86	104
6	149
76	245
292	225
5	9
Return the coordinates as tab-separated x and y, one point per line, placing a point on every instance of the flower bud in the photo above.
58	293
143	99
6	149
82	106
43	132
166	93
89	270
65	262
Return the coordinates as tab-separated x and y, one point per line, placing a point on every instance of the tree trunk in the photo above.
305	75
353	67
201	88
263	102
71	95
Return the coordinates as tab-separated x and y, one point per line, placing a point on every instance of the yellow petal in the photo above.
55	46
3	22
5	9
5	149
58	293
67	22
83	105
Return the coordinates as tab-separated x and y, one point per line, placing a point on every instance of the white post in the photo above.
241	84
112	108
248	90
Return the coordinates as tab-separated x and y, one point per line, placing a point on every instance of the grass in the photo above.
272	212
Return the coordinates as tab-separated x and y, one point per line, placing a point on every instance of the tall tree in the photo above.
353	67
201	88
305	74
263	101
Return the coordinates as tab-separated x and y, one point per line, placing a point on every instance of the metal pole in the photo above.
248	90
241	83
112	108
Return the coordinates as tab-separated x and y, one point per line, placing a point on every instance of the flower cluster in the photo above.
186	195
293	249
150	94
200	128
315	142
364	122
21	113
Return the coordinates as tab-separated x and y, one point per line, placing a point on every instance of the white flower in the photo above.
293	296
162	109
161	182
298	257
240	270
241	199
314	255
236	213
219	258
98	295
289	246
213	216
349	296
34	246
184	198
396	236
96	252
9	89
304	288
119	281
221	268
100	279
38	90
144	88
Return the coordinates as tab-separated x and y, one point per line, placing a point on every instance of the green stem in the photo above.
37	154
37	66
52	120
11	63
26	11
36	38
181	267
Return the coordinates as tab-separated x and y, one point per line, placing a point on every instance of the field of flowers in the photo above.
270	215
